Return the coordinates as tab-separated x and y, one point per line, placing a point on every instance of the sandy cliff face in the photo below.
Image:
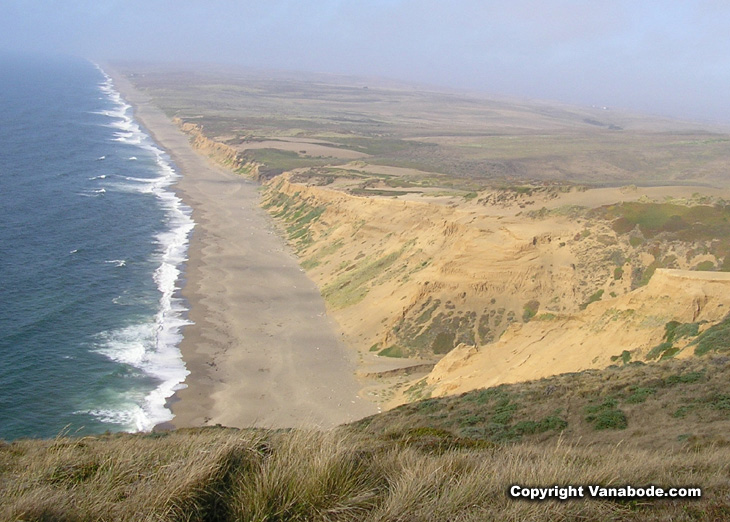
498	295
218	152
406	278
613	331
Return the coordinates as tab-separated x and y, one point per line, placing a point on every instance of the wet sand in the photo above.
262	351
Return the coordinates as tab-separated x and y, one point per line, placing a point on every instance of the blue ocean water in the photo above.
92	242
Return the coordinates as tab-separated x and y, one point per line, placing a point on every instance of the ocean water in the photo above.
92	244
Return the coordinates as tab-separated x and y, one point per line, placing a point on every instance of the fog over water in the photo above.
662	57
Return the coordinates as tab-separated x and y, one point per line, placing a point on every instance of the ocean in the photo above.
93	242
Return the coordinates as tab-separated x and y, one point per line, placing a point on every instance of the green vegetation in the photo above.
353	285
392	351
687	223
684	378
309	264
547	316
430	307
639	394
636	241
673	332
469	141
590	404
705	266
420	390
625	357
700	224
714	339
416	473
645	275
606	416
298	214
321	254
659	350
443	343
434	328
592	299
276	161
530	309
441	458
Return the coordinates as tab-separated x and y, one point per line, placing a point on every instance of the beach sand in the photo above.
262	351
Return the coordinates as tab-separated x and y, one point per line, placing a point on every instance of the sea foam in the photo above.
152	346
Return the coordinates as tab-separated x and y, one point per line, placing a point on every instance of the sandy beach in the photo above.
262	351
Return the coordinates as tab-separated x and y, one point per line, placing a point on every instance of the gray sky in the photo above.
664	57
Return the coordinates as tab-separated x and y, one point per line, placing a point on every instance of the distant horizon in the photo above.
720	125
668	58
723	126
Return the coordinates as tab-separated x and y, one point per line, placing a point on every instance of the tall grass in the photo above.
220	475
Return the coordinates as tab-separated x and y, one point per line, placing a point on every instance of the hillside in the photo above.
673	316
509	294
454	458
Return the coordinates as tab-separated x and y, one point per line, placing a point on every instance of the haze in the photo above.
669	57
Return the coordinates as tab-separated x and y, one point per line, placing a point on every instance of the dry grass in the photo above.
176	476
218	474
666	406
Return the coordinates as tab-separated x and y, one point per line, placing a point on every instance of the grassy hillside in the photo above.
446	459
660	406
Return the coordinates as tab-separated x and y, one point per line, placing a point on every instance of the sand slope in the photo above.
589	339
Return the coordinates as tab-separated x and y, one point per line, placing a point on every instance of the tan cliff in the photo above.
495	292
613	331
499	295
419	278
220	153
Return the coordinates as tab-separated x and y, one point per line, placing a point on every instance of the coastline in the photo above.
261	350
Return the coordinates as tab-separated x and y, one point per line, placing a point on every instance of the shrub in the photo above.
530	309
606	416
684	378
705	266
392	351
715	338
592	299
640	395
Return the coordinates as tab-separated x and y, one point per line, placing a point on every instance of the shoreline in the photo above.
261	350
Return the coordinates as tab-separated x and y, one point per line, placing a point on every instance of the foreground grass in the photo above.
216	474
454	458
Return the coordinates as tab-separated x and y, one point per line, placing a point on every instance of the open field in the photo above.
465	140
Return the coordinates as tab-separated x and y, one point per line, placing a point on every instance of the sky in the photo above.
660	57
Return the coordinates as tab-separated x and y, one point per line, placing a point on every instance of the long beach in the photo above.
261	350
